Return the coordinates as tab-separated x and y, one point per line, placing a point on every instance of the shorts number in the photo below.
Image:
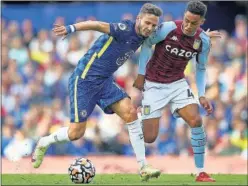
190	94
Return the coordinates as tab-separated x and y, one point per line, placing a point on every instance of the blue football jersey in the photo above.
110	51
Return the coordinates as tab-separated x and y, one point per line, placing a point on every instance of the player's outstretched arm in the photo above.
201	75
62	30
93	25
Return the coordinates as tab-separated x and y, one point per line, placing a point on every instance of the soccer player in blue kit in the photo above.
161	77
92	82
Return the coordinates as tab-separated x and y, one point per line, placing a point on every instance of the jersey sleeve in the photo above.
157	36
203	55
119	30
201	65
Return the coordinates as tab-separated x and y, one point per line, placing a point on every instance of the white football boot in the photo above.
147	172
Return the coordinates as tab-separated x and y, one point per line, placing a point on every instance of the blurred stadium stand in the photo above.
36	66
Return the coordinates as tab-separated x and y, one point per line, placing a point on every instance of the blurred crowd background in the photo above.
36	66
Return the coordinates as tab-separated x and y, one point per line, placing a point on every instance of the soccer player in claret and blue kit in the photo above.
161	77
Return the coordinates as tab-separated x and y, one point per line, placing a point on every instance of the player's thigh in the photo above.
83	98
185	105
150	129
125	109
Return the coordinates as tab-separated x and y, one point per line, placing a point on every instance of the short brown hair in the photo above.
149	8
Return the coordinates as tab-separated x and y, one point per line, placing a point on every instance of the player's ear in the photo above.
138	19
203	21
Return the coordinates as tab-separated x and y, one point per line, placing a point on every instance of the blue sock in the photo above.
198	142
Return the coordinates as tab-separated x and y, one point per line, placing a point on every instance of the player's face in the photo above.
191	22
146	24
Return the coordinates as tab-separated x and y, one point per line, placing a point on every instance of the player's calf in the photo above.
198	142
128	113
76	131
65	134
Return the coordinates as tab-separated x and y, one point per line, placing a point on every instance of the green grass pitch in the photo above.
120	179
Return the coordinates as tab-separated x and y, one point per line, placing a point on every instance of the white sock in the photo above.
61	135
137	140
199	170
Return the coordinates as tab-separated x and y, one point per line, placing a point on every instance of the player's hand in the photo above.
139	82
206	105
213	34
60	30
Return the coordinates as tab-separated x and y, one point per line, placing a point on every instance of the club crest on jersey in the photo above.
122	26
146	109
197	44
84	113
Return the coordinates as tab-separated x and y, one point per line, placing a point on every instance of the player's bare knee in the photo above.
149	135
149	138
195	121
130	115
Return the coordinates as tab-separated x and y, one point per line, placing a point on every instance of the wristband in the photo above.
70	29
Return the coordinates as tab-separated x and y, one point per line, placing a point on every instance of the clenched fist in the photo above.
139	82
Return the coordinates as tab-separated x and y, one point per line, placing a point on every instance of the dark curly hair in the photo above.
197	7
